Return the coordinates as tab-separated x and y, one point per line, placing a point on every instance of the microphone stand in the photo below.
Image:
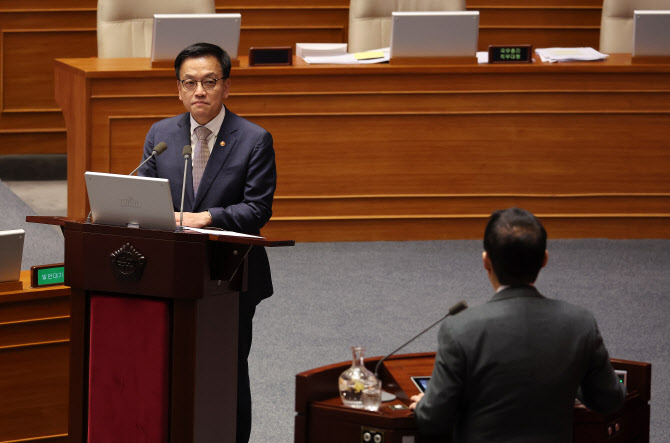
186	152
455	309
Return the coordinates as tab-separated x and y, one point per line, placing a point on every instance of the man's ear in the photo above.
226	88
179	90
546	257
487	262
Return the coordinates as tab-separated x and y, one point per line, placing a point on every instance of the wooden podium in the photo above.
322	418
154	320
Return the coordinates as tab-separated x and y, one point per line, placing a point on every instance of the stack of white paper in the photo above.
375	56
303	50
553	55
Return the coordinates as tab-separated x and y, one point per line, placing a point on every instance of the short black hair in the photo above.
515	242
200	50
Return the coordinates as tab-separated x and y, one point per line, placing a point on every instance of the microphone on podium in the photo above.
186	152
455	309
158	150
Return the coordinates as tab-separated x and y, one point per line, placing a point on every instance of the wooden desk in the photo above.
388	152
34	347
322	418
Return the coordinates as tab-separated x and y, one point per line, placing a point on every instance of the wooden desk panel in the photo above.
34	348
388	152
322	418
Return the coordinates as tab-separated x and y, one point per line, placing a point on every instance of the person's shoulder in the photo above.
571	309
243	124
171	122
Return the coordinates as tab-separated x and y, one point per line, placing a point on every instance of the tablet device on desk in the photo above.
124	200
421	382
651	33
11	254
174	32
434	34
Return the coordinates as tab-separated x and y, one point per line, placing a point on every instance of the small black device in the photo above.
275	56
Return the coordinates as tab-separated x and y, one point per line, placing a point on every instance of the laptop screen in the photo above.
174	32
124	200
11	254
434	34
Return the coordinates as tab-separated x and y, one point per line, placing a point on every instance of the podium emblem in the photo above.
127	263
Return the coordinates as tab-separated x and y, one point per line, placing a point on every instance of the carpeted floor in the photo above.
329	296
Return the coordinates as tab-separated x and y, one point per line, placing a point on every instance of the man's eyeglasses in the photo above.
208	83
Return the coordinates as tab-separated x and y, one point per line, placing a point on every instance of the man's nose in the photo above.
199	89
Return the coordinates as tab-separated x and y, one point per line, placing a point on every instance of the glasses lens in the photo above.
189	85
208	83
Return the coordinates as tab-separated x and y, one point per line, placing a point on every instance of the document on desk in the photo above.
221	232
376	56
553	55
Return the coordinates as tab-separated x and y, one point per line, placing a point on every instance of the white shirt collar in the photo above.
213	125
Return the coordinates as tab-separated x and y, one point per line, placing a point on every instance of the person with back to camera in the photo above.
230	182
510	369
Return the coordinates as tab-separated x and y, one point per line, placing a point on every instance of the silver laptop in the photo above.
174	32
651	33
434	34
124	200
11	254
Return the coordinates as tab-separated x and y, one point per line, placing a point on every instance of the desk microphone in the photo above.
186	152
458	307
158	150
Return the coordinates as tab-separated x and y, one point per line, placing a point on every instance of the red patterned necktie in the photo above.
201	156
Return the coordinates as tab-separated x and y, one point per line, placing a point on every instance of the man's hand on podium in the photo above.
195	219
415	399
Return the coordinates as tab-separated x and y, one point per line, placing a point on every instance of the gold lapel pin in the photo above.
223	143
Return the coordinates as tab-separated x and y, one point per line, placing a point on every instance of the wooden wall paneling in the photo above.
548	16
314	206
531	3
76	115
31	35
462	226
530	124
280	36
32	32
539	37
271	23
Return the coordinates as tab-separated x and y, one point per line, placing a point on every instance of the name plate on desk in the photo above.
47	275
510	54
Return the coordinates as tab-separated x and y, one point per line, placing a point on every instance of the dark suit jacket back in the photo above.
509	371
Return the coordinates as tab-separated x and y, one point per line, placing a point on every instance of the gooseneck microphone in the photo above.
186	152
458	307
158	150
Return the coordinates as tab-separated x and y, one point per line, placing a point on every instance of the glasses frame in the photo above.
216	80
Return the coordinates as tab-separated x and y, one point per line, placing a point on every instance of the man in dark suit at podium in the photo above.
509	370
230	183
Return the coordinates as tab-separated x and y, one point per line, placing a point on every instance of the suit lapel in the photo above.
180	138
223	146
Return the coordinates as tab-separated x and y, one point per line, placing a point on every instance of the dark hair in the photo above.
200	50
515	242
